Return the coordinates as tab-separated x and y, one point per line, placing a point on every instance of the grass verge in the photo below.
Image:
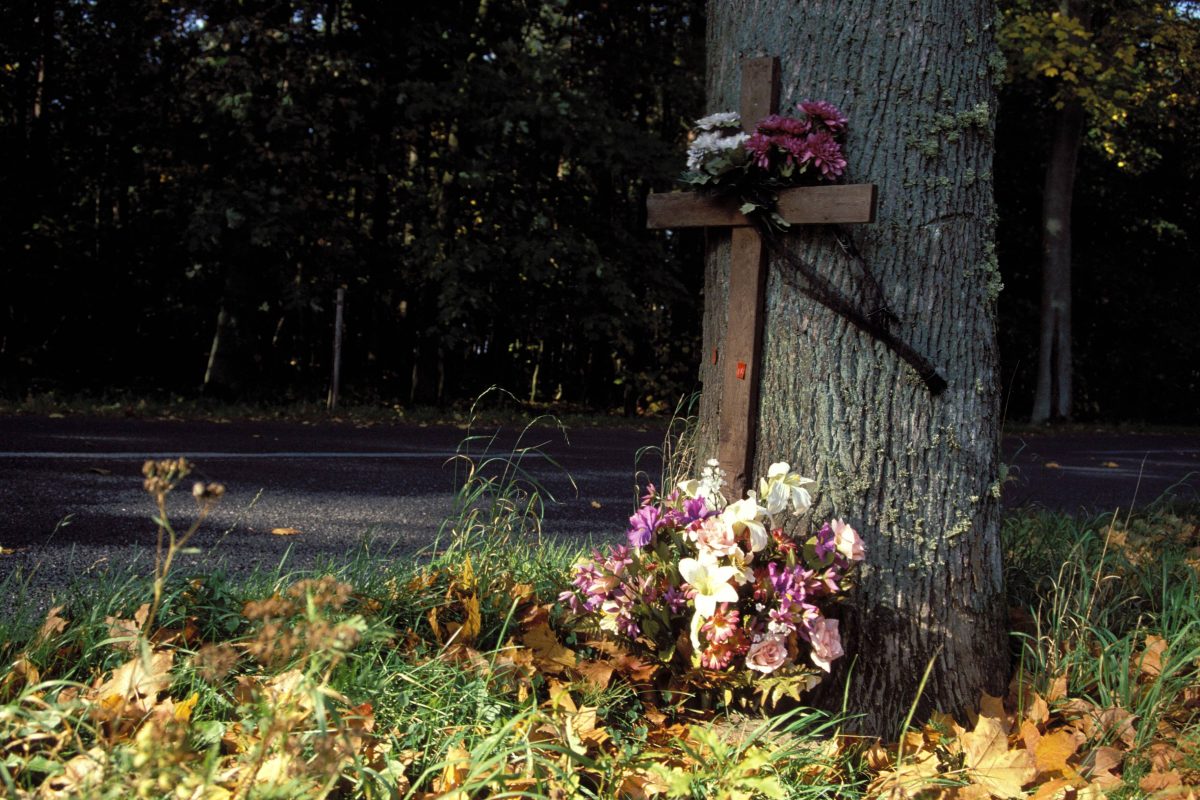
448	675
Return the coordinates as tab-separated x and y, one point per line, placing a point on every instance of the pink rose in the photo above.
767	654
826	645
847	541
715	537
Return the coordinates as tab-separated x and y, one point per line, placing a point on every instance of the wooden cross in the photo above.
740	363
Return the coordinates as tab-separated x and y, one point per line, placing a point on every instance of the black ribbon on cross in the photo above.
870	315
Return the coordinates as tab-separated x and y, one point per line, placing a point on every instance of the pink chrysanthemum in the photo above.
794	146
759	148
827	113
720	656
717	656
825	154
771	124
788	126
721	625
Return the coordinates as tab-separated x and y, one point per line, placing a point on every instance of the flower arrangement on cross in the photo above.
780	151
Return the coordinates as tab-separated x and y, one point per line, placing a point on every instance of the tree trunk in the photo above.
917	475
1052	399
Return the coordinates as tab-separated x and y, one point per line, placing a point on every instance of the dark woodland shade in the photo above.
478	185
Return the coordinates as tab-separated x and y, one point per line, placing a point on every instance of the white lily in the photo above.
742	561
744	515
710	583
782	486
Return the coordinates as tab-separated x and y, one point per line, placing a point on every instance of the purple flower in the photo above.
825	154
826	113
676	600
696	509
642	526
618	559
826	542
571	600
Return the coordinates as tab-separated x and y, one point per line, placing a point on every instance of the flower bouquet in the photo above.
782	151
718	591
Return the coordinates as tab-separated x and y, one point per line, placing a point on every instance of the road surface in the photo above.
74	506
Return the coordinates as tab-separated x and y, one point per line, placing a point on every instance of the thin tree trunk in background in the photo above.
1052	399
214	351
336	382
917	475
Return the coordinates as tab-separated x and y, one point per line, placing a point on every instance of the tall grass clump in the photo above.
1110	614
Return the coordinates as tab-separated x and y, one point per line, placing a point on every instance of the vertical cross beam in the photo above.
740	363
740	358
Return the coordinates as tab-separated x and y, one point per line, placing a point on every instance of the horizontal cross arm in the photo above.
801	205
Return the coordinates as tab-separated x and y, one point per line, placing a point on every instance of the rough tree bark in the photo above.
917	475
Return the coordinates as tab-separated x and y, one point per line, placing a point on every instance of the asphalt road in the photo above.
73	505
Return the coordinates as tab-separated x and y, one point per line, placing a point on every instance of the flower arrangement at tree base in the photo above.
718	592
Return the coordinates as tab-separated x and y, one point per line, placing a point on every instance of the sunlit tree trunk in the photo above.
1052	399
916	474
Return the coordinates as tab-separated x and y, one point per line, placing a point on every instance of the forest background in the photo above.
186	185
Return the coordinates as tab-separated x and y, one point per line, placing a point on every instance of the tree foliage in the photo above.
1130	66
472	172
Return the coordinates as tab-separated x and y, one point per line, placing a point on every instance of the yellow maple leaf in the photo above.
1052	753
991	764
183	711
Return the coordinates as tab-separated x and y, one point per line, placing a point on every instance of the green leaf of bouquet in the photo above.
749	208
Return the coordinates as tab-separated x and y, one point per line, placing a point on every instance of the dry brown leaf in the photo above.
285	531
454	773
638	785
1052	789
1057	689
1099	764
522	593
993	707
1157	781
597	673
125	632
1052	465
183	711
549	655
1150	662
53	625
80	774
138	678
1164	756
991	764
1175	793
879	757
917	773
